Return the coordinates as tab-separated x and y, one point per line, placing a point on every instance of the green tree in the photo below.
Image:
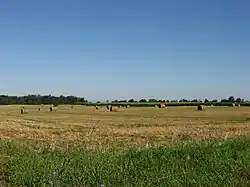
231	99
152	100
183	100
38	99
131	100
239	100
143	101
122	101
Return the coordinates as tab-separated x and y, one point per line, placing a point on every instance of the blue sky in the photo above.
121	49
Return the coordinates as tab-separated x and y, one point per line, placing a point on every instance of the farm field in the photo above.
82	146
137	127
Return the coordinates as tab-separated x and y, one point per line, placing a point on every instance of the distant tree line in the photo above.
231	99
38	99
49	99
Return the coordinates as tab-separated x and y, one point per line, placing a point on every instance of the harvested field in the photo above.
136	127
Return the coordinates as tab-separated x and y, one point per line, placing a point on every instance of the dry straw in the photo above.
52	108
24	111
199	107
113	109
162	106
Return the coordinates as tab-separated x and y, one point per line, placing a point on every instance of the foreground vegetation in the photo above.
213	163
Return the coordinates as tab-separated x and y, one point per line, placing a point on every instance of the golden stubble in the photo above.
132	126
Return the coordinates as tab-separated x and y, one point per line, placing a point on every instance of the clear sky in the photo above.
121	49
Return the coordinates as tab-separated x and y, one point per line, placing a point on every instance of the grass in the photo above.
80	146
243	120
224	163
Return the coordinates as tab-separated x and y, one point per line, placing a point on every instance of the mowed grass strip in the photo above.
197	163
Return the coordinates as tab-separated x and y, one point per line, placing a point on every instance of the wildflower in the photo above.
51	182
53	173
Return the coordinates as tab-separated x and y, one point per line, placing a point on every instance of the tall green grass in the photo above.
191	164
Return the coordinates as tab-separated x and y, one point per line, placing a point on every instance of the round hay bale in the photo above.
162	106
156	106
233	104
127	106
24	111
238	104
96	107
199	108
113	109
51	109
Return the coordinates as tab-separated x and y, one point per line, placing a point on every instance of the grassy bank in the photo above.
192	164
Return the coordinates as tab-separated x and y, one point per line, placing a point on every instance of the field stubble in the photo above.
136	127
